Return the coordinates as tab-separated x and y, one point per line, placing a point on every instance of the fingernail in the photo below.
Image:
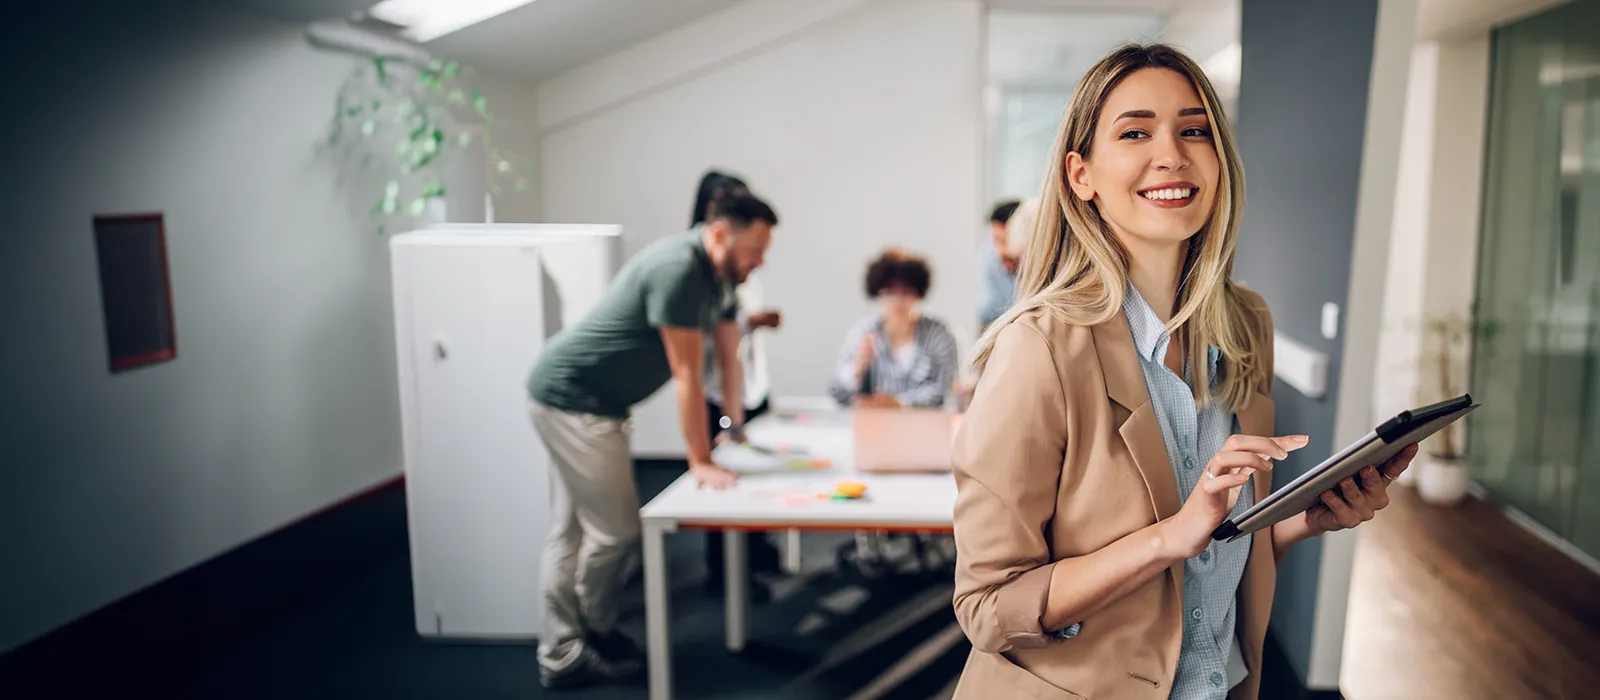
1302	439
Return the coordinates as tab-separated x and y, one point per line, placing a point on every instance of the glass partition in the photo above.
1535	444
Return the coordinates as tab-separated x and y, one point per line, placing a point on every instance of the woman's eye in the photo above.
1134	134
1197	131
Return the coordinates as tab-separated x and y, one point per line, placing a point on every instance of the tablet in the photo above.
1376	447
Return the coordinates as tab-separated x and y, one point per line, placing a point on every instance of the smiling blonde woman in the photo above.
1123	412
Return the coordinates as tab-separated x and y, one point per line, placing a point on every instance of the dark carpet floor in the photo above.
359	641
342	628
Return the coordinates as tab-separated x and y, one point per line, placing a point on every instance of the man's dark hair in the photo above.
714	187
741	210
1003	211
896	267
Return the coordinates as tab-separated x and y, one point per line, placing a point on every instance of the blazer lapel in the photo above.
1119	362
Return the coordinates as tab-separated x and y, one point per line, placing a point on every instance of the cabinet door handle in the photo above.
440	351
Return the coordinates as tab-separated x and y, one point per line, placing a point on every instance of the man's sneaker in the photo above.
617	648
589	669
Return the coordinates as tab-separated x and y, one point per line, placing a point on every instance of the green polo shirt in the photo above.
613	357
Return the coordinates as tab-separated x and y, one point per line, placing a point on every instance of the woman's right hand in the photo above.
864	354
1189	532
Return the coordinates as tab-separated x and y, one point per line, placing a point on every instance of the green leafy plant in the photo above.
1447	341
405	120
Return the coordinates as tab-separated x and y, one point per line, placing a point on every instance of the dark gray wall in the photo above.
1301	116
283	397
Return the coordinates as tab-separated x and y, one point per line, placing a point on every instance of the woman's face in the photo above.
1153	168
898	301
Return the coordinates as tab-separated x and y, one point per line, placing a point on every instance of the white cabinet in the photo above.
473	306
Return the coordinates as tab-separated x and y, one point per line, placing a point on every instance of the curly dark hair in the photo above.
896	267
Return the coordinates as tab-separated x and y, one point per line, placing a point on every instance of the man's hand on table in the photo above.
709	474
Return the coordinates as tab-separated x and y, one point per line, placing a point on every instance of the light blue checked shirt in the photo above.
1209	663
999	286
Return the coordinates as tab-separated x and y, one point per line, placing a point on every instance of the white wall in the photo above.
1434	245
1208	30
282	399
1395	383
859	121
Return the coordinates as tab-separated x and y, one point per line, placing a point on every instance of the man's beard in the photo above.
731	273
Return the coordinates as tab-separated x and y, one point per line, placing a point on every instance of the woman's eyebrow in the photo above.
1149	114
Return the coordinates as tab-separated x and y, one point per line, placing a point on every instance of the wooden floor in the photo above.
1462	603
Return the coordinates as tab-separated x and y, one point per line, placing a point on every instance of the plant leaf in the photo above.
480	102
383	73
418	206
451	68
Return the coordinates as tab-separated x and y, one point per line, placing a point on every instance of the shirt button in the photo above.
1196	614
1205	556
1216	679
1070	631
1188	463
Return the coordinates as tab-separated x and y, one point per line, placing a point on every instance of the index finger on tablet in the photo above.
1292	442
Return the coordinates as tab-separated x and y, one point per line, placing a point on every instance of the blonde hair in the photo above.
1019	228
1077	271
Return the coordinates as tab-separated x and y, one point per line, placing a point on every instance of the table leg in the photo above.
791	552
658	638
736	569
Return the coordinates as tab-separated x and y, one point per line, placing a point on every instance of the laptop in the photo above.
903	439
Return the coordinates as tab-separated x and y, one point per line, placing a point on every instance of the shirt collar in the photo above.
1150	336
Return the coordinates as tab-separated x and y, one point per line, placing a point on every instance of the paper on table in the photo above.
741	457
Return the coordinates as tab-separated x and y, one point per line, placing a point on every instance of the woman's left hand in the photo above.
1358	498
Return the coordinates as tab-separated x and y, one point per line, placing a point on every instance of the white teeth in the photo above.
1169	193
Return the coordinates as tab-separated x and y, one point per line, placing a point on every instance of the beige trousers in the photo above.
594	522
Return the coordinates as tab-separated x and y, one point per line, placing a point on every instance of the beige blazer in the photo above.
1059	455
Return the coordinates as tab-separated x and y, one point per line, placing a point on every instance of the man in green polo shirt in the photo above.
648	328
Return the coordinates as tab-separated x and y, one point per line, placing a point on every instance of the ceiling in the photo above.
545	37
1119	6
306	10
1454	19
1053	49
533	41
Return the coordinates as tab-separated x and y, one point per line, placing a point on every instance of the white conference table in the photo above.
770	496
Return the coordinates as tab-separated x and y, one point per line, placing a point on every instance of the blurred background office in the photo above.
215	508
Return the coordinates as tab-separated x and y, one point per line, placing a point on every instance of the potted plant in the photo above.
399	120
1440	469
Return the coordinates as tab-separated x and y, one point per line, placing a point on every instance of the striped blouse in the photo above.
922	381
